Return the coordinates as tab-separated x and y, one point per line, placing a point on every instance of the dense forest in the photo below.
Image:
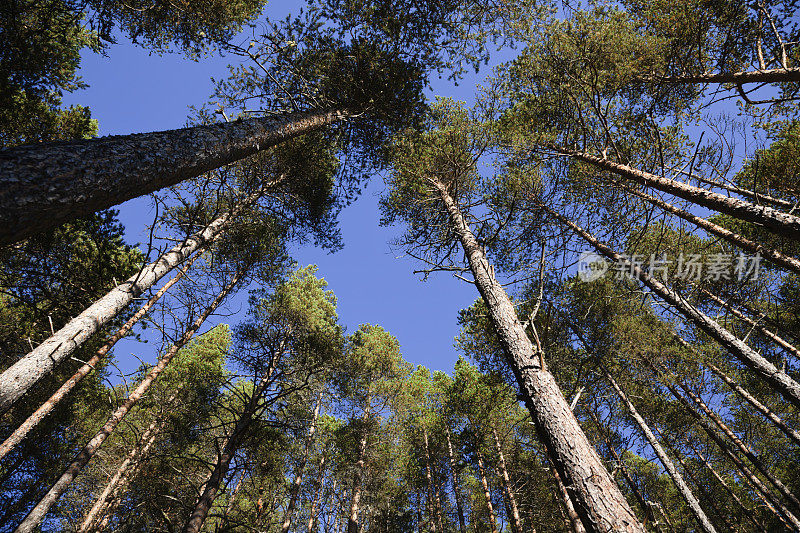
622	194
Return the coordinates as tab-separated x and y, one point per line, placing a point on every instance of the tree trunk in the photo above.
434	515
358	475
48	406
778	379
294	492
312	515
211	488
761	408
37	514
776	221
599	502
487	494
680	484
44	185
566	500
23	374
516	521
773	503
123	474
780	259
776	75
462	525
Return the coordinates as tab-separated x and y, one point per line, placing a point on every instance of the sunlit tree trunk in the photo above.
572	515
37	514
462	525
487	494
48	406
598	500
680	484
318	486
358	474
44	185
514	518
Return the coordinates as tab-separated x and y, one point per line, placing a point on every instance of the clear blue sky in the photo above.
132	90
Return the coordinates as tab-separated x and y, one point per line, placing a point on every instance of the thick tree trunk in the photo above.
294	492
124	470
318	484
211	488
776	378
45	185
776	221
487	494
47	407
572	515
598	500
680	484
23	374
776	75
514	518
743	448
758	406
462	525
37	514
780	259
773	503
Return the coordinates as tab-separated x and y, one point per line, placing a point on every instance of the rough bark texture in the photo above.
37	514
429	479
47	407
778	379
44	185
124	471
487	494
680	484
572	514
599	502
462	525
294	492
23	374
514	518
776	75
776	221
358	475
775	256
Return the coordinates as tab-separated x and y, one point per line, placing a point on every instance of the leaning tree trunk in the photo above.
778	258
598	500
44	185
563	495
48	406
462	525
487	494
23	374
776	378
37	514
776	221
104	502
294	492
680	484
515	519
776	75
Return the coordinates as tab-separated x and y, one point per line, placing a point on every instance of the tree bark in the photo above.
294	492
515	519
776	75
37	514
434	504
48	406
487	494
23	374
566	500
777	379
680	484
312	515
778	258
599	502
776	221
124	470
358	475
45	185
462	525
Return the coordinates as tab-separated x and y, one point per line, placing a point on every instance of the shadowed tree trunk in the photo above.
37	514
294	492
45	185
47	407
776	378
599	502
776	221
563	495
776	75
358	474
680	484
318	484
456	485
487	494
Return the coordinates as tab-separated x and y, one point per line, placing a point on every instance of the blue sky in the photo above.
132	90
